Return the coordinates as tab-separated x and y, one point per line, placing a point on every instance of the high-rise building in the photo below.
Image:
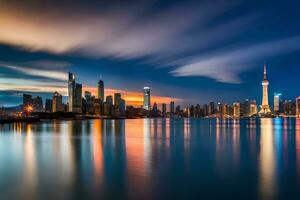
57	104
253	108
77	100
147	98
277	103
298	106
48	105
101	90
117	99
164	109
37	103
109	100
172	107
236	109
289	107
211	108
71	91
265	109
245	108
87	95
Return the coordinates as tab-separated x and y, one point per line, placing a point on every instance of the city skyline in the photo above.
172	59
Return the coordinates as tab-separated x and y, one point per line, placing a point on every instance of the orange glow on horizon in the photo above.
132	97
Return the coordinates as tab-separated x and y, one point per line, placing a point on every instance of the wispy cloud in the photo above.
226	65
57	75
125	32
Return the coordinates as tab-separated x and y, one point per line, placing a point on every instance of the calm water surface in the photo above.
151	159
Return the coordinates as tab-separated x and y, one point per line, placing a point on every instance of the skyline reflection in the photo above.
139	157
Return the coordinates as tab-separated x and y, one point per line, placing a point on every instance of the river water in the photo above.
151	159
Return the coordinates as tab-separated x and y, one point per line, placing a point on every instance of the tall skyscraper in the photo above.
57	104
277	103
298	106
71	91
101	90
147	98
172	107
265	109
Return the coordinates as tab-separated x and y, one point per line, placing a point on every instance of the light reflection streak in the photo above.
30	168
97	149
298	146
236	141
267	165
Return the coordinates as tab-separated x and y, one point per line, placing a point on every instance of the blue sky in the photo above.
192	50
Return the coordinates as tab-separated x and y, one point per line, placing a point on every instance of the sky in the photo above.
187	51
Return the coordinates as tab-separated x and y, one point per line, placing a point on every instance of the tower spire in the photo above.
265	71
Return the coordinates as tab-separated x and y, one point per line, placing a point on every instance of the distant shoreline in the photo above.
37	119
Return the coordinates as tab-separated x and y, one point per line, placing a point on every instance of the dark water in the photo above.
151	159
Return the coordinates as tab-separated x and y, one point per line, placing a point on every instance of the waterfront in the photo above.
182	158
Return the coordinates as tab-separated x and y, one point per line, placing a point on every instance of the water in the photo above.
151	159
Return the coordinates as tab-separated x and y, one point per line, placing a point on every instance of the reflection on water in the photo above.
151	159
267	164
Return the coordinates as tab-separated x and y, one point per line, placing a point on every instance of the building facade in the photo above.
57	104
298	106
147	98
101	90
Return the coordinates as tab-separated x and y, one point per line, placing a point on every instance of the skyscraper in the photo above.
37	103
147	98
172	107
211	108
277	103
265	109
77	100
117	99
253	108
236	109
71	90
57	104
298	106
48	105
101	90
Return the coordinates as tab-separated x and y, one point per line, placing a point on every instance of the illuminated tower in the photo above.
265	109
147	98
101	90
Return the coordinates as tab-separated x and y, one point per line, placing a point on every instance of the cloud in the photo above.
57	75
225	66
118	31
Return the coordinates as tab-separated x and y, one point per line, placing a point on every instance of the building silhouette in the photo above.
101	90
48	105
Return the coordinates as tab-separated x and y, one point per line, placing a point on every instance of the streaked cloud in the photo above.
225	66
167	36
57	75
